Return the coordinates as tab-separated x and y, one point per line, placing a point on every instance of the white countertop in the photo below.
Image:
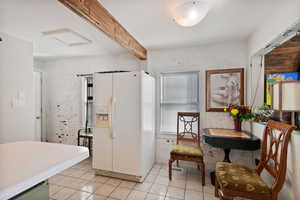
25	164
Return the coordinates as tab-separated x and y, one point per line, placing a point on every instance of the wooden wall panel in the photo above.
96	14
285	58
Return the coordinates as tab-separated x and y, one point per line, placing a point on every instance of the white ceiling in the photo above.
148	21
151	23
27	19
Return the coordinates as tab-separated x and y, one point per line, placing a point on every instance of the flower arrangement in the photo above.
239	113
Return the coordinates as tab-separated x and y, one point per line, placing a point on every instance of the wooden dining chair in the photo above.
234	180
186	152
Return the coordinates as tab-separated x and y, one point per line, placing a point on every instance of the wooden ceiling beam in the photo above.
96	14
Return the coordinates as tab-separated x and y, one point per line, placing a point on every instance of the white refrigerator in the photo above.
124	124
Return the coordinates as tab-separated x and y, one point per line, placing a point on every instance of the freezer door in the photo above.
126	121
102	142
147	123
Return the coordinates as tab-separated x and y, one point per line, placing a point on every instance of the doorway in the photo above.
38	105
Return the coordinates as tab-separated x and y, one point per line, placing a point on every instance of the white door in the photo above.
102	142
38	105
126	123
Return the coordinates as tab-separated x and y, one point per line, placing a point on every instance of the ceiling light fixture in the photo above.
190	13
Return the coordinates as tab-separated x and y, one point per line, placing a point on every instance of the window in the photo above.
179	93
87	101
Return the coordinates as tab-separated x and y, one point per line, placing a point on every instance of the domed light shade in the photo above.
190	13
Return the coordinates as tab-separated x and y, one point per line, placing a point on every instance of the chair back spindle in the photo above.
188	119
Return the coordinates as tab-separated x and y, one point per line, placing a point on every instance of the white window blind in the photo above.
179	93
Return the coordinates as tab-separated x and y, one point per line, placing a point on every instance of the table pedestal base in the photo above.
227	155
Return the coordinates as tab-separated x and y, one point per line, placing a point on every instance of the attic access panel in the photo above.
67	37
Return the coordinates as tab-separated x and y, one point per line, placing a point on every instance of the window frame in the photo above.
160	103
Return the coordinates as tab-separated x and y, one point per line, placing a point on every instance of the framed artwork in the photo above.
223	87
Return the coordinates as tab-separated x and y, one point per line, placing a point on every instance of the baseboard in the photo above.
118	175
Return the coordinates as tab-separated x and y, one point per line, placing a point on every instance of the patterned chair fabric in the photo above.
240	178
192	153
185	150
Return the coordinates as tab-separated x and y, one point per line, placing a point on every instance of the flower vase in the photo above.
237	125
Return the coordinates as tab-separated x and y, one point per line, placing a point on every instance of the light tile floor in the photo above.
80	183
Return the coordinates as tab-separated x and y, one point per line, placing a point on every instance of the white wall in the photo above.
63	89
16	86
272	26
216	56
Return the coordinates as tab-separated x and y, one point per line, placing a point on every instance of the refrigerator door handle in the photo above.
110	127
113	114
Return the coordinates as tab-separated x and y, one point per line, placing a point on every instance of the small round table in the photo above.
227	142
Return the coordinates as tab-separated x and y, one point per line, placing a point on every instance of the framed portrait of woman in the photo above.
224	87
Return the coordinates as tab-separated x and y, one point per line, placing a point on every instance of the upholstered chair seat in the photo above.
186	150
240	178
